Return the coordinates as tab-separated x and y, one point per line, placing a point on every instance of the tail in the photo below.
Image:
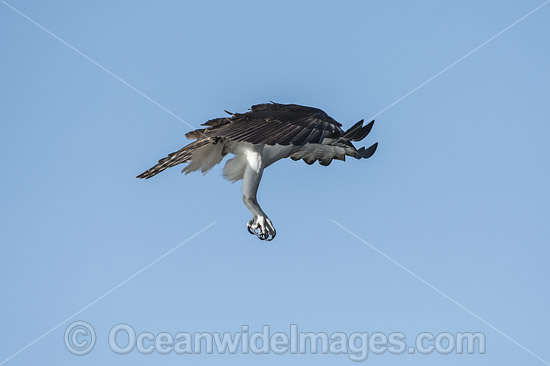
367	153
357	132
181	156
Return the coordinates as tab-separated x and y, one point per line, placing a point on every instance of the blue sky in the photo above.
457	191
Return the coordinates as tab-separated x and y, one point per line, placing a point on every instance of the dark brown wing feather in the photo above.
275	123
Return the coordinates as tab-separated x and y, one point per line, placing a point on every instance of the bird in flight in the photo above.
258	138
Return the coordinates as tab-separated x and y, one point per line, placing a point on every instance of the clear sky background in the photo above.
457	191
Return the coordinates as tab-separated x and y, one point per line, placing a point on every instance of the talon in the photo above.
261	227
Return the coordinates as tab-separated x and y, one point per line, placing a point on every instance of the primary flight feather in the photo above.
258	138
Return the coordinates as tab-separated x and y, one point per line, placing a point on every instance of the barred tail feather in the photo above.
181	156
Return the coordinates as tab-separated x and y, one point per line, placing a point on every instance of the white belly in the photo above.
257	157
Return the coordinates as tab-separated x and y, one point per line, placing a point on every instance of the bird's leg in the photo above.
260	225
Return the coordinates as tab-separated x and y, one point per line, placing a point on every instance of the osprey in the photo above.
260	137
